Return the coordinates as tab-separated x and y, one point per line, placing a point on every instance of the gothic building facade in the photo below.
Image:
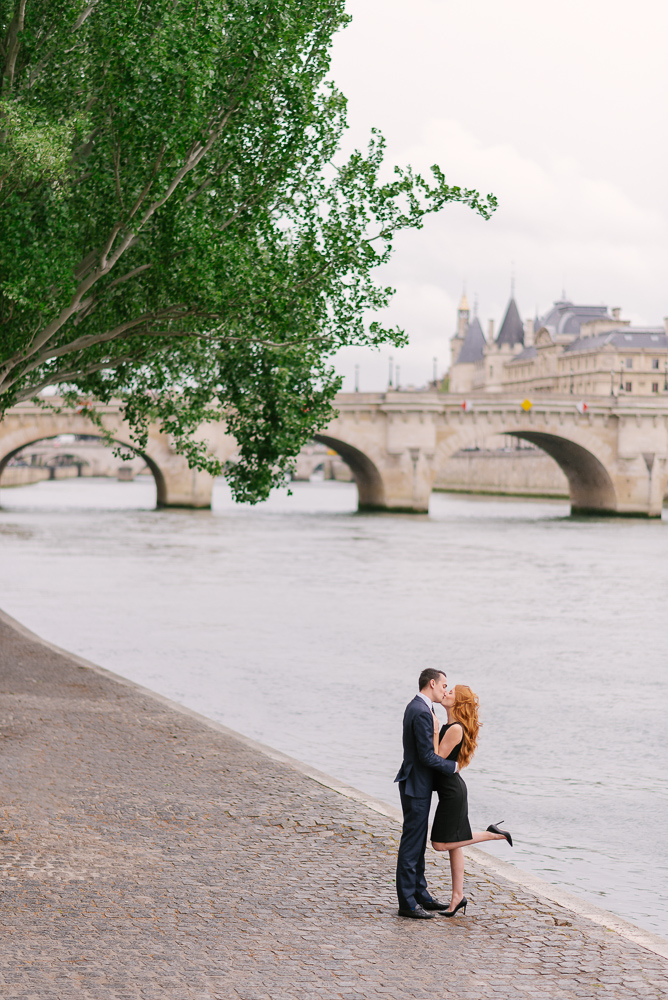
578	349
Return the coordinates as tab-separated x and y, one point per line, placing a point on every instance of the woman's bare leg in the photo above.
477	838
457	872
457	860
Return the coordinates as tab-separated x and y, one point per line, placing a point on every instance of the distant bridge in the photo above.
613	454
176	484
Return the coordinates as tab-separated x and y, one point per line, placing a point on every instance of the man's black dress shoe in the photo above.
433	904
419	913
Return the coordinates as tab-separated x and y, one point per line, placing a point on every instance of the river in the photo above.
304	625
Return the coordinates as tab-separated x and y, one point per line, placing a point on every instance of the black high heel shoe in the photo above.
461	905
494	828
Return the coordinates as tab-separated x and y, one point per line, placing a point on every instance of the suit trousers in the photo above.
411	881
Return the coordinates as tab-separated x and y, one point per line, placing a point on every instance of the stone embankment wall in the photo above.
26	475
517	472
87	459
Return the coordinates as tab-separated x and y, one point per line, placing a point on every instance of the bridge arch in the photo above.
177	485
591	487
370	485
34	438
586	459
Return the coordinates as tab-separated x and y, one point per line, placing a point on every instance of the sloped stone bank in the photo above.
146	854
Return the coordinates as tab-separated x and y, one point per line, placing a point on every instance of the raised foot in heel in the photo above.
495	828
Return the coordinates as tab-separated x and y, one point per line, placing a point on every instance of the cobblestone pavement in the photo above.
145	856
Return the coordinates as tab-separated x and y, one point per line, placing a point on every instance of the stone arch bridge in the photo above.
613	454
176	484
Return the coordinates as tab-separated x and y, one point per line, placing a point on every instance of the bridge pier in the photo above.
408	478
641	484
176	484
179	486
389	443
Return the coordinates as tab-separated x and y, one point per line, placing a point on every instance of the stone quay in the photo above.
150	853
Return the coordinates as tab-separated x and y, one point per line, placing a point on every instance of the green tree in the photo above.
176	230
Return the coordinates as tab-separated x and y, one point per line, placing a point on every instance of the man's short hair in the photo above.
429	674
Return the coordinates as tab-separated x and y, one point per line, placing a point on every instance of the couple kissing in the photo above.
433	758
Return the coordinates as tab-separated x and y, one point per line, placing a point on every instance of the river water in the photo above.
304	625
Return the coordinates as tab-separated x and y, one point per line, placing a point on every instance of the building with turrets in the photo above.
581	349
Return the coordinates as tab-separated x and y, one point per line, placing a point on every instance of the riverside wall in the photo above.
26	475
148	852
513	472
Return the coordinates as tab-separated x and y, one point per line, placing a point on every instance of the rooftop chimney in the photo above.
617	312
665	324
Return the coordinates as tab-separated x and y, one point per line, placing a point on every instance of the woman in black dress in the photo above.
451	830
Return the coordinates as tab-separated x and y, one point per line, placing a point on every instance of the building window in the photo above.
627	386
655	364
629	362
655	386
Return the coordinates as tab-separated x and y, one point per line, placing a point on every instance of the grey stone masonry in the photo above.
145	856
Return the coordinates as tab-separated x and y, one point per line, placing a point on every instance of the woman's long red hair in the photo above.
465	711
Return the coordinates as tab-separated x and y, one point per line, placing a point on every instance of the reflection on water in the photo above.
305	625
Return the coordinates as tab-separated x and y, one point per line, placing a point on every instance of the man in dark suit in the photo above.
416	783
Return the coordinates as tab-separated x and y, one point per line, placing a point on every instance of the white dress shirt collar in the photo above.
428	702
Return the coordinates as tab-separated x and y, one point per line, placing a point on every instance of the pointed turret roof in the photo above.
474	344
464	303
512	331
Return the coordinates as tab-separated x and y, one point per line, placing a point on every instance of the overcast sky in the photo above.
559	110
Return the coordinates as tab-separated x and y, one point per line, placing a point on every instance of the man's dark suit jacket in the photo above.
420	762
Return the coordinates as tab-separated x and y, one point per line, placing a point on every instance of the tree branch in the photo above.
130	274
208	180
83	15
66	376
156	167
126	333
117	333
13	43
117	175
197	152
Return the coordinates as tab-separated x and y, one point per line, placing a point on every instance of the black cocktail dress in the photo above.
451	822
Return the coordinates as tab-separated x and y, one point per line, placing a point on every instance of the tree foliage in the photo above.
177	229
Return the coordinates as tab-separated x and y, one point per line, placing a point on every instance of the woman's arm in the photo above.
451	738
437	730
423	733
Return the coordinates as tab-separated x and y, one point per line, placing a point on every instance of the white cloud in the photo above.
543	200
555	115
